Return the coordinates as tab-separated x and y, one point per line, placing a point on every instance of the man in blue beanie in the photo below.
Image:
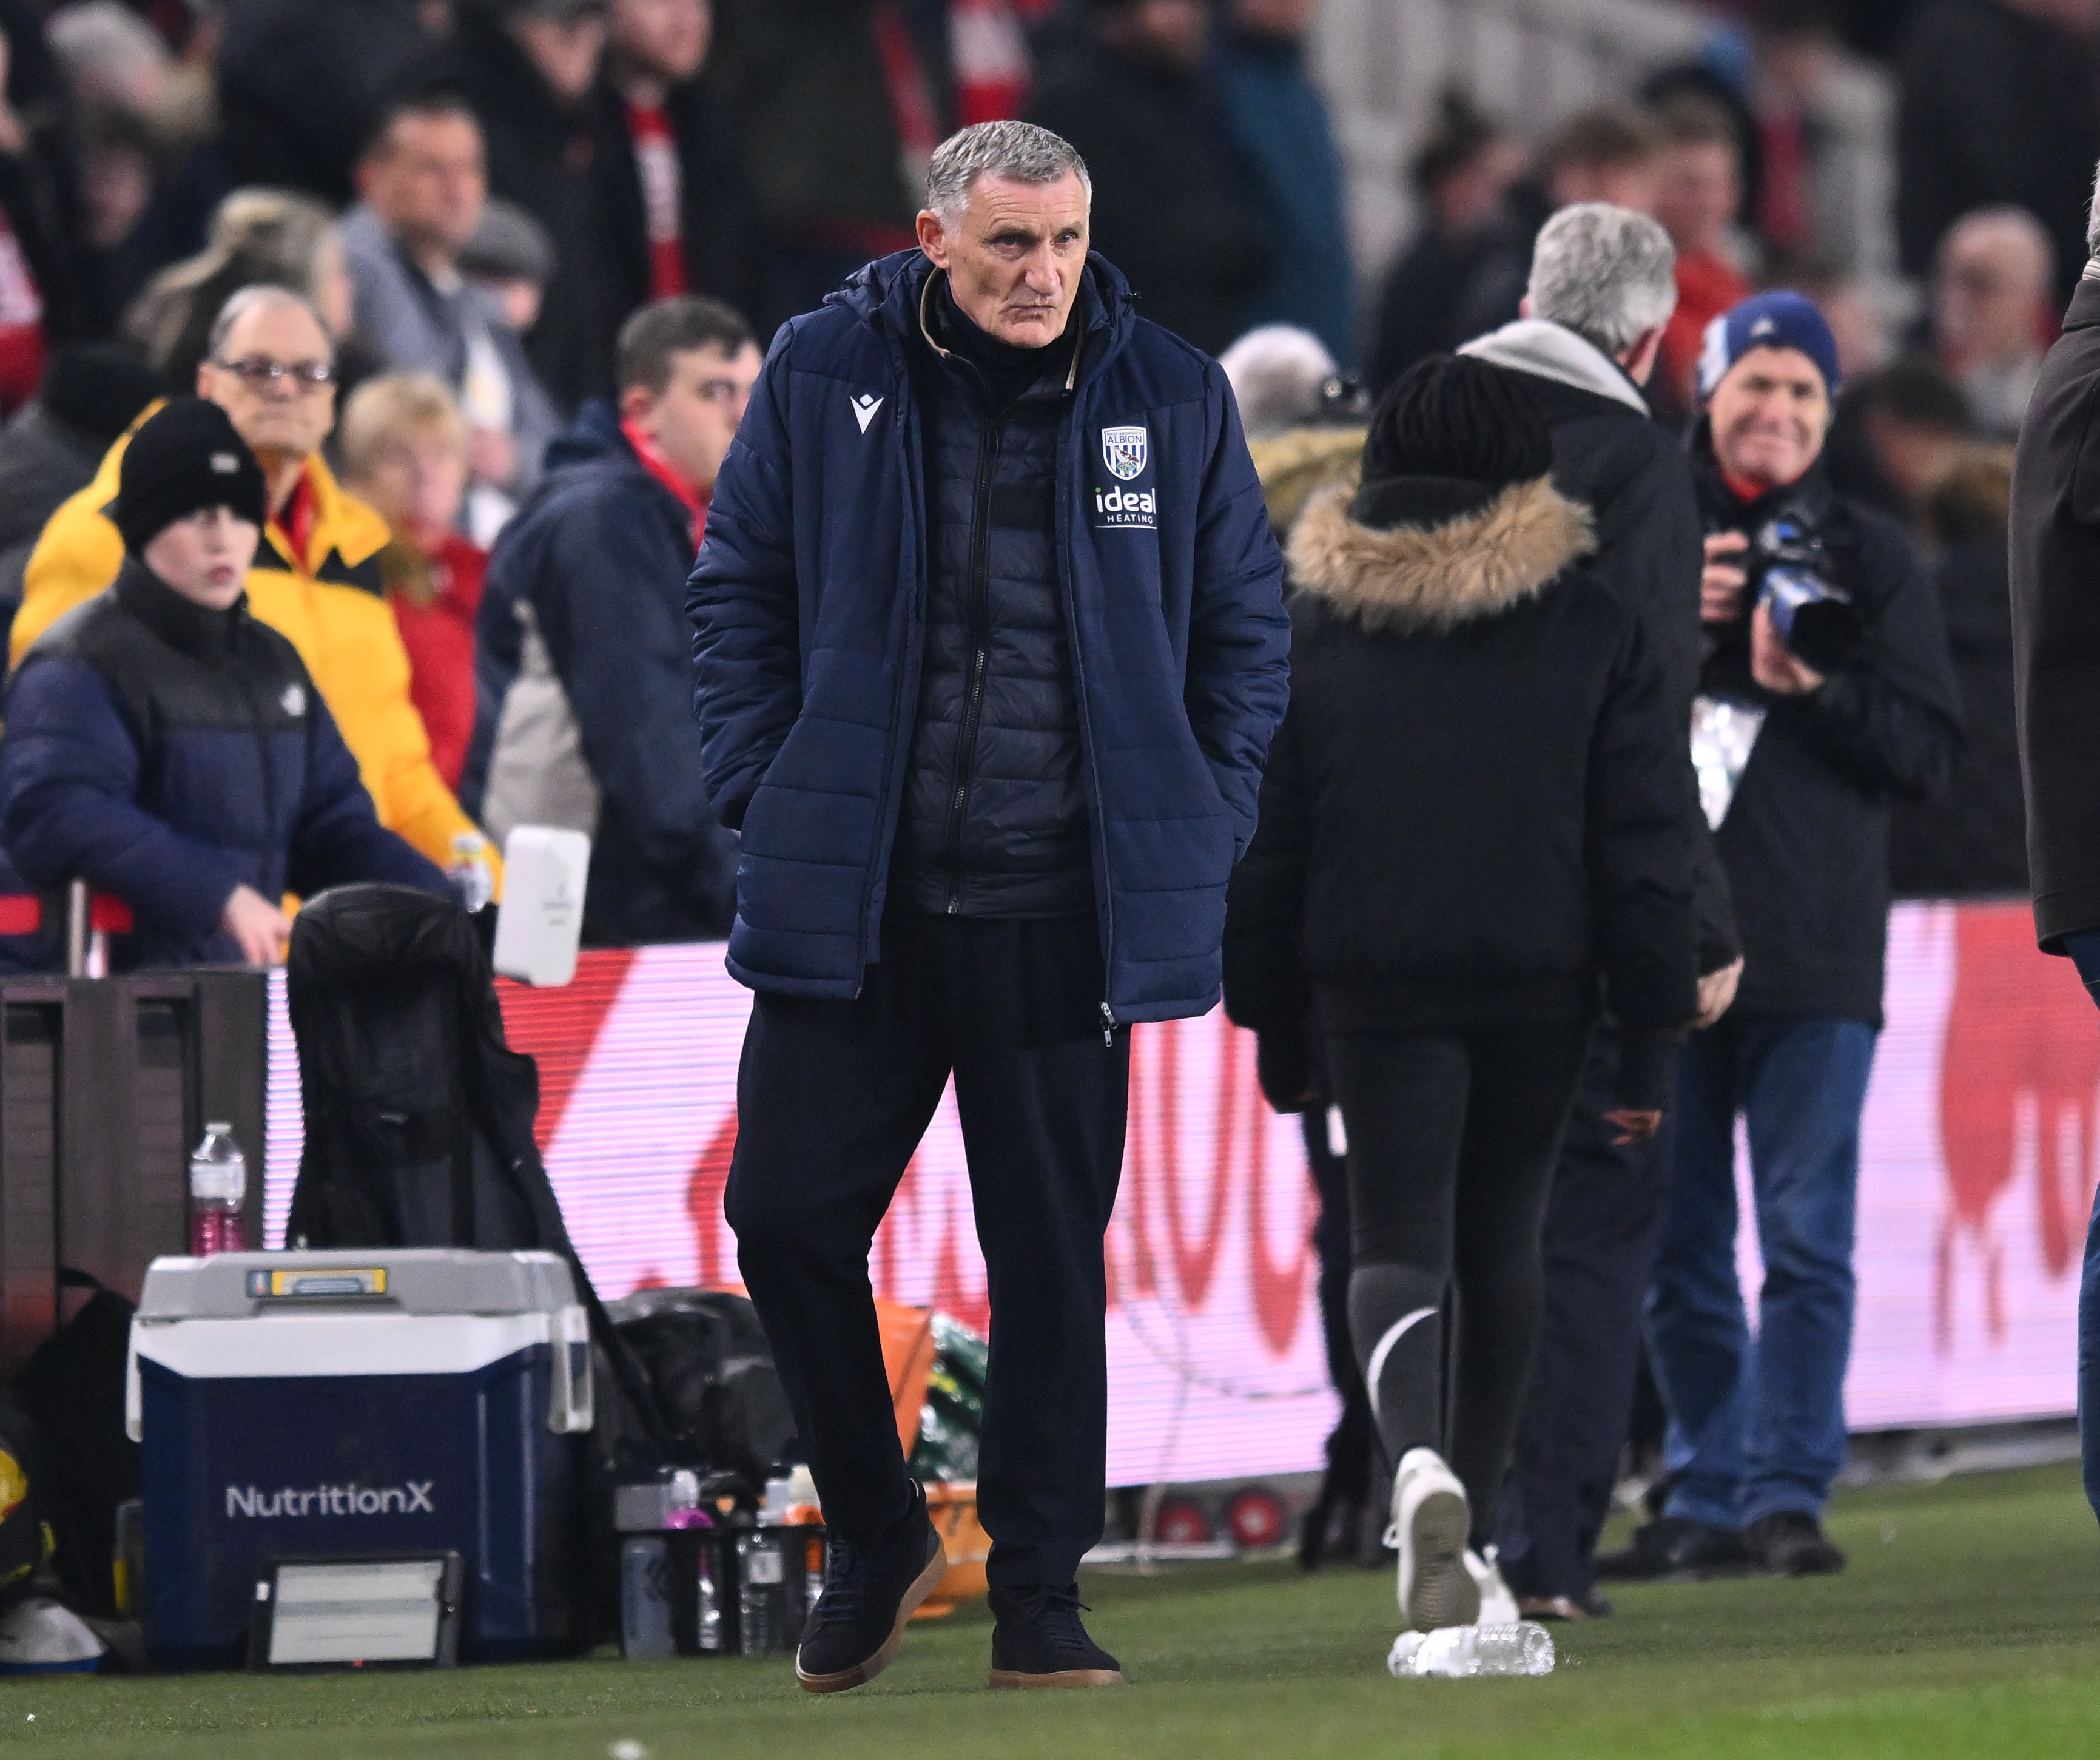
1824	638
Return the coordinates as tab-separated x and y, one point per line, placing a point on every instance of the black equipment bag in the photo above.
419	1116
712	1373
71	1392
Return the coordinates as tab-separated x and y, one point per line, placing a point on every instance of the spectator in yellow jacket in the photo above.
315	578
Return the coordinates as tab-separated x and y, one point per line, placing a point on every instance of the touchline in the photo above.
410	1499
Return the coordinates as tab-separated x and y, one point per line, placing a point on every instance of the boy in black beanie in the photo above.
163	745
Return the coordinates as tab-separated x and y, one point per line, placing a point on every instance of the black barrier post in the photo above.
105	1086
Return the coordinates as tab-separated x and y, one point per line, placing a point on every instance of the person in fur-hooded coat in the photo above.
1473	838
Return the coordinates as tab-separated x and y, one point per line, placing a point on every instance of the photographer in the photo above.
1819	616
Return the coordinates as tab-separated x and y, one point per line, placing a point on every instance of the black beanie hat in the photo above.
185	457
1451	416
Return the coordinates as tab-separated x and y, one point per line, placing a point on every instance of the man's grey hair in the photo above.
2092	218
1607	273
1276	373
253	298
1017	150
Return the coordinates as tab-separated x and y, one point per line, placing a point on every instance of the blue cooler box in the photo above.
376	1400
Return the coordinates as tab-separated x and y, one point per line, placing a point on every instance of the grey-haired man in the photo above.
991	643
1601	290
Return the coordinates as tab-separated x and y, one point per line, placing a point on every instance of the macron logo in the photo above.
411	1499
864	408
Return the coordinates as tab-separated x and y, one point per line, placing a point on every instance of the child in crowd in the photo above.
404	451
169	748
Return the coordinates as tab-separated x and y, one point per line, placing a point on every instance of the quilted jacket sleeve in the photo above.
742	603
68	787
1239	634
337	837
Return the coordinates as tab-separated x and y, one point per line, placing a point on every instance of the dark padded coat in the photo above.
808	605
994	821
1476	812
1805	840
1632	474
600	555
168	753
2054	550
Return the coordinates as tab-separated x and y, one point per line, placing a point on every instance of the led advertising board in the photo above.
1977	1177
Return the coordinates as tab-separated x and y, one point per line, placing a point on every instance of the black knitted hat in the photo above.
185	457
1451	416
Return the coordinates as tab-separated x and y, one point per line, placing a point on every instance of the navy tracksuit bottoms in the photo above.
832	1098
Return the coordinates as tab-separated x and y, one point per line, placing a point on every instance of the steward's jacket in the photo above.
808	609
326	596
1477	812
168	753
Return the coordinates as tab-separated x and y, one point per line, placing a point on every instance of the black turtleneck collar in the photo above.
1007	371
183	624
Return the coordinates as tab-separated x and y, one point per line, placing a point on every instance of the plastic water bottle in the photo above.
469	871
761	1595
219	1187
707	1590
1460	1652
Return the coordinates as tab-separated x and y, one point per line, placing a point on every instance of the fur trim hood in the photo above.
1296	464
1428	579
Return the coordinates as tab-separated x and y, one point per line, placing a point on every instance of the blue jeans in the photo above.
1759	1426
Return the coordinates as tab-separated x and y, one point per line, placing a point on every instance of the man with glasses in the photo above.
315	578
585	658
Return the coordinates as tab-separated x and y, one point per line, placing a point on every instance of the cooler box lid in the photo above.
404	1280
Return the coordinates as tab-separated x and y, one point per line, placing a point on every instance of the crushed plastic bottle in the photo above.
1460	1652
218	1188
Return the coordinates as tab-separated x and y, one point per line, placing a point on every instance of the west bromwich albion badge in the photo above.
1123	451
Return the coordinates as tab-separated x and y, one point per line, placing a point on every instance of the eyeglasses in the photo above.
258	371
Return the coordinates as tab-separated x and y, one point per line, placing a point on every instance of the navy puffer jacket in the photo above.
808	609
995	819
169	753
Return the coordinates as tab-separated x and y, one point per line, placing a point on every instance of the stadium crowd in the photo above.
471	296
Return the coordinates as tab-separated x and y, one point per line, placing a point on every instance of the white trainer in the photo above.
1498	1605
1431	1519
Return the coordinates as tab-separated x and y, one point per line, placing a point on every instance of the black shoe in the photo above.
1591	1606
1039	1641
1676	1549
1792	1543
857	1626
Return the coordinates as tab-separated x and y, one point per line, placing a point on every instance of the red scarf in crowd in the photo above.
659	467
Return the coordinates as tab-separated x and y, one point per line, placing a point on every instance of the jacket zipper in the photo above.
980	589
1107	902
912	477
262	752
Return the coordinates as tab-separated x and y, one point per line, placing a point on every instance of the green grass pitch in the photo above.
1968	1627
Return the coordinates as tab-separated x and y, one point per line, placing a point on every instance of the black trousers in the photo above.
832	1098
1349	1444
1600	1238
1452	1137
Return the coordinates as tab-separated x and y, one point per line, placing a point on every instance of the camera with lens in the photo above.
1791	573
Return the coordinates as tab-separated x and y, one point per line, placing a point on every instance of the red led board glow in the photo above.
1977	1176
